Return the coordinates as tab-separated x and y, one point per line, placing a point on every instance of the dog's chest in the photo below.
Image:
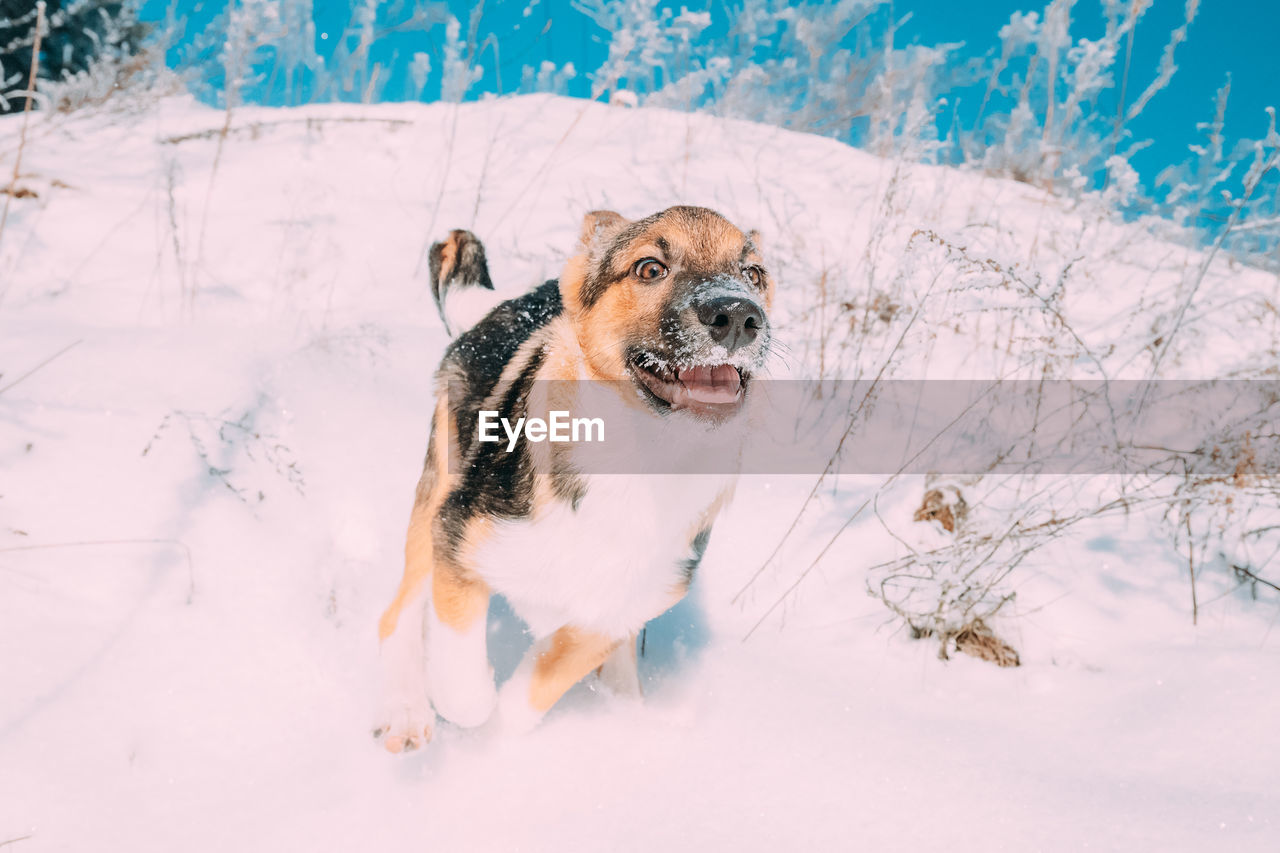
617	560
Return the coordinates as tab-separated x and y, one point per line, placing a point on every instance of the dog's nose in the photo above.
732	321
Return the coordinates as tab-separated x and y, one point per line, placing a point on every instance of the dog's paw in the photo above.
406	726
464	699
405	719
516	714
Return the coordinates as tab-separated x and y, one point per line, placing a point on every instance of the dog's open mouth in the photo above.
705	389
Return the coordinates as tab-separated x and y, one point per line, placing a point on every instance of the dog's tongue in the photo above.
719	384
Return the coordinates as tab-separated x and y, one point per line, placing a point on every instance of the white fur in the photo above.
516	714
466	306
406	712
609	566
614	561
459	670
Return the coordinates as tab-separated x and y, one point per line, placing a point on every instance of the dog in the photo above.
665	320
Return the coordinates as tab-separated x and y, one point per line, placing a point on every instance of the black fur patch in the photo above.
478	356
697	548
598	280
495	483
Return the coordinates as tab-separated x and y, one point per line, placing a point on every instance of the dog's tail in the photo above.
458	267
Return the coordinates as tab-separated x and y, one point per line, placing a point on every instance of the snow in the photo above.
187	641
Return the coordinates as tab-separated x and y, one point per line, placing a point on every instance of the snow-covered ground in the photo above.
203	499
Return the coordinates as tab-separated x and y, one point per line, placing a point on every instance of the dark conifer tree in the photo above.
77	32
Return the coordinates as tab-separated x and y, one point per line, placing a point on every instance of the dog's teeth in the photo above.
718	384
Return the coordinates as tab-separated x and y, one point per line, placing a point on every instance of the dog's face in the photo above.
676	303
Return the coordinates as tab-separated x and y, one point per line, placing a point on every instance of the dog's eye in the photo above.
650	269
755	275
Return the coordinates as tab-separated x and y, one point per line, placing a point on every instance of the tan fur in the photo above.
599	224
459	597
449	254
573	653
418	549
629	303
564	359
585	342
572	278
458	594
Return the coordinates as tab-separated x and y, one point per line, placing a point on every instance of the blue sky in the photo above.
1228	36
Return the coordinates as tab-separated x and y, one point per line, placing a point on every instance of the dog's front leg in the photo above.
405	718
551	667
458	658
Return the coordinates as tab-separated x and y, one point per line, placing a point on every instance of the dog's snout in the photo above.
732	321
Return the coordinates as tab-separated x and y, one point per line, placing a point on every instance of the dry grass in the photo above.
979	641
12	190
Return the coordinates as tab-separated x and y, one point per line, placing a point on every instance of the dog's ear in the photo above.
755	246
598	228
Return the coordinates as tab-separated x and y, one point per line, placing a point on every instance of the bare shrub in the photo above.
227	446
